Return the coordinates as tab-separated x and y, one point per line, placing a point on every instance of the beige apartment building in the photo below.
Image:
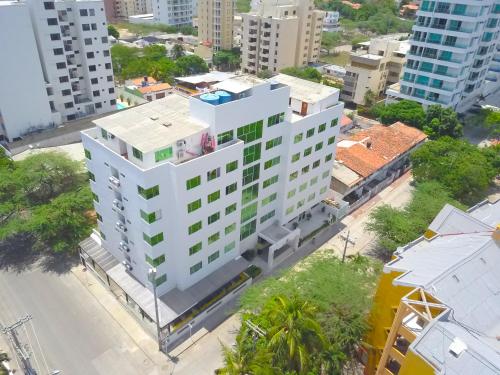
117	10
281	34
373	65
215	23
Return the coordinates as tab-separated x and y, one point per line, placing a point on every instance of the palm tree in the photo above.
177	51
294	334
241	360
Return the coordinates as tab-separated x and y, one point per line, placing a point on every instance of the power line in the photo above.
39	346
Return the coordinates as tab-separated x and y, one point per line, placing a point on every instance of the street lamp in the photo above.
152	279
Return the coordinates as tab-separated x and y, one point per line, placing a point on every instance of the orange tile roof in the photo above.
411	6
138	81
385	144
345	121
352	5
154	88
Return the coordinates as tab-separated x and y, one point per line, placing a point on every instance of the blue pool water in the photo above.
120	106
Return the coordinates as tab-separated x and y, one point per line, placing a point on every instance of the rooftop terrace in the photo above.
303	90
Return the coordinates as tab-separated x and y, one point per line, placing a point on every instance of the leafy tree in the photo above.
177	51
164	70
154	52
330	40
122	56
191	64
369	98
265	74
227	60
5	161
465	170
441	122
308	73
113	32
407	111
492	121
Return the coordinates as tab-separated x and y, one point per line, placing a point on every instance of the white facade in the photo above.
173	12
229	172
331	21
72	49
452	46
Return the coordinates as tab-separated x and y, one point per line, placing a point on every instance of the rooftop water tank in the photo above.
210	98
224	96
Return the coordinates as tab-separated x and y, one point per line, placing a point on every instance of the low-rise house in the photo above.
196	84
331	21
408	10
148	88
371	159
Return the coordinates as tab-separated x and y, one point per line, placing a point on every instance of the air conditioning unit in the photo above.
127	265
120	226
118	204
181	143
113	180
124	247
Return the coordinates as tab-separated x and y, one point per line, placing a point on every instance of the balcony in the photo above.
121	227
118	205
114	182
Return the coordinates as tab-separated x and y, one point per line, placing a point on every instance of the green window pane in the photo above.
163	154
249	194
213	174
318	146
88	155
230	228
104	133
212	197
194	228
193	182
251	154
313	181
95	196
311	197
322	128
231	166
231	208
194	205
154	240
269	199
231	188
305	169
103	236
300	203
213	256
156	261
316	164
303	186
160	280
289	210
334	122
270	181
148	218
297	138
295	157
307	151
272	162
326	174
273	142
137	153
213	218
195	268
248	229
323	189
267	216
229	247
148	193
331	140
225	137
291	193
250	132
99	217
249	212
310	133
91	176
195	248
328	157
251	174
214	237
276	119
293	176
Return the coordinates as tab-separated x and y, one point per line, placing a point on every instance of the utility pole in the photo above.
152	279
21	352
347	240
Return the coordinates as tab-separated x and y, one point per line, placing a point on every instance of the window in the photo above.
229	247
334	122
156	261
85	27
103	236
300	203
83	12
314	180
195	248
99	217
270	181
249	194
326	174
251	174
214	237
322	128
316	164
90	55
195	268
232	166
213	256
269	199
213	174
293	176
213	218
94	81
92	68
93	26
297	138
97	93
92	12
98	105
225	137
276	119
156	239
307	151
328	157
289	210
194	228
194	205
311	197
267	216
68	105
109	78
295	157
250	132
291	193
251	154
230	228
91	176
105	53
66	92
303	187
51	21
310	133
249	212
63	79
55	36
149	218
48	5
193	182
272	162
212	197
323	189
104	39
163	154
305	169
87	41
248	229
107	65
96	197
160	280
137	154
148	193
58	51
88	155
231	208
331	140
273	143
318	146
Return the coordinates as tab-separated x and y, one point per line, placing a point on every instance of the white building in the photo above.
173	12
331	21
55	58
188	184
452	46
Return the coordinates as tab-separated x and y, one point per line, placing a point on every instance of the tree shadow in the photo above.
20	253
379	252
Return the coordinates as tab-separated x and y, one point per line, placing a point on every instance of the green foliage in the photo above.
46	196
465	170
330	40
146	29
5	161
113	32
308	73
265	74
227	60
243	6
488	119
407	111
440	122
369	98
397	227
177	51
191	64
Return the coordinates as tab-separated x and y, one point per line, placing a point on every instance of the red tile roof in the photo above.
138	81
377	146
345	121
154	88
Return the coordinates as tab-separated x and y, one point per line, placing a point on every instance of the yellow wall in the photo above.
414	365
387	299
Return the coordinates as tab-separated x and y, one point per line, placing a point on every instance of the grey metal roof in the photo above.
487	212
452	220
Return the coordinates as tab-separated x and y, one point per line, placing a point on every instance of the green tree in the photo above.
122	56
164	70
227	60
330	40
492	122
154	52
407	111
177	51
311	74
265	74
369	98
113	32
441	122
191	64
5	161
